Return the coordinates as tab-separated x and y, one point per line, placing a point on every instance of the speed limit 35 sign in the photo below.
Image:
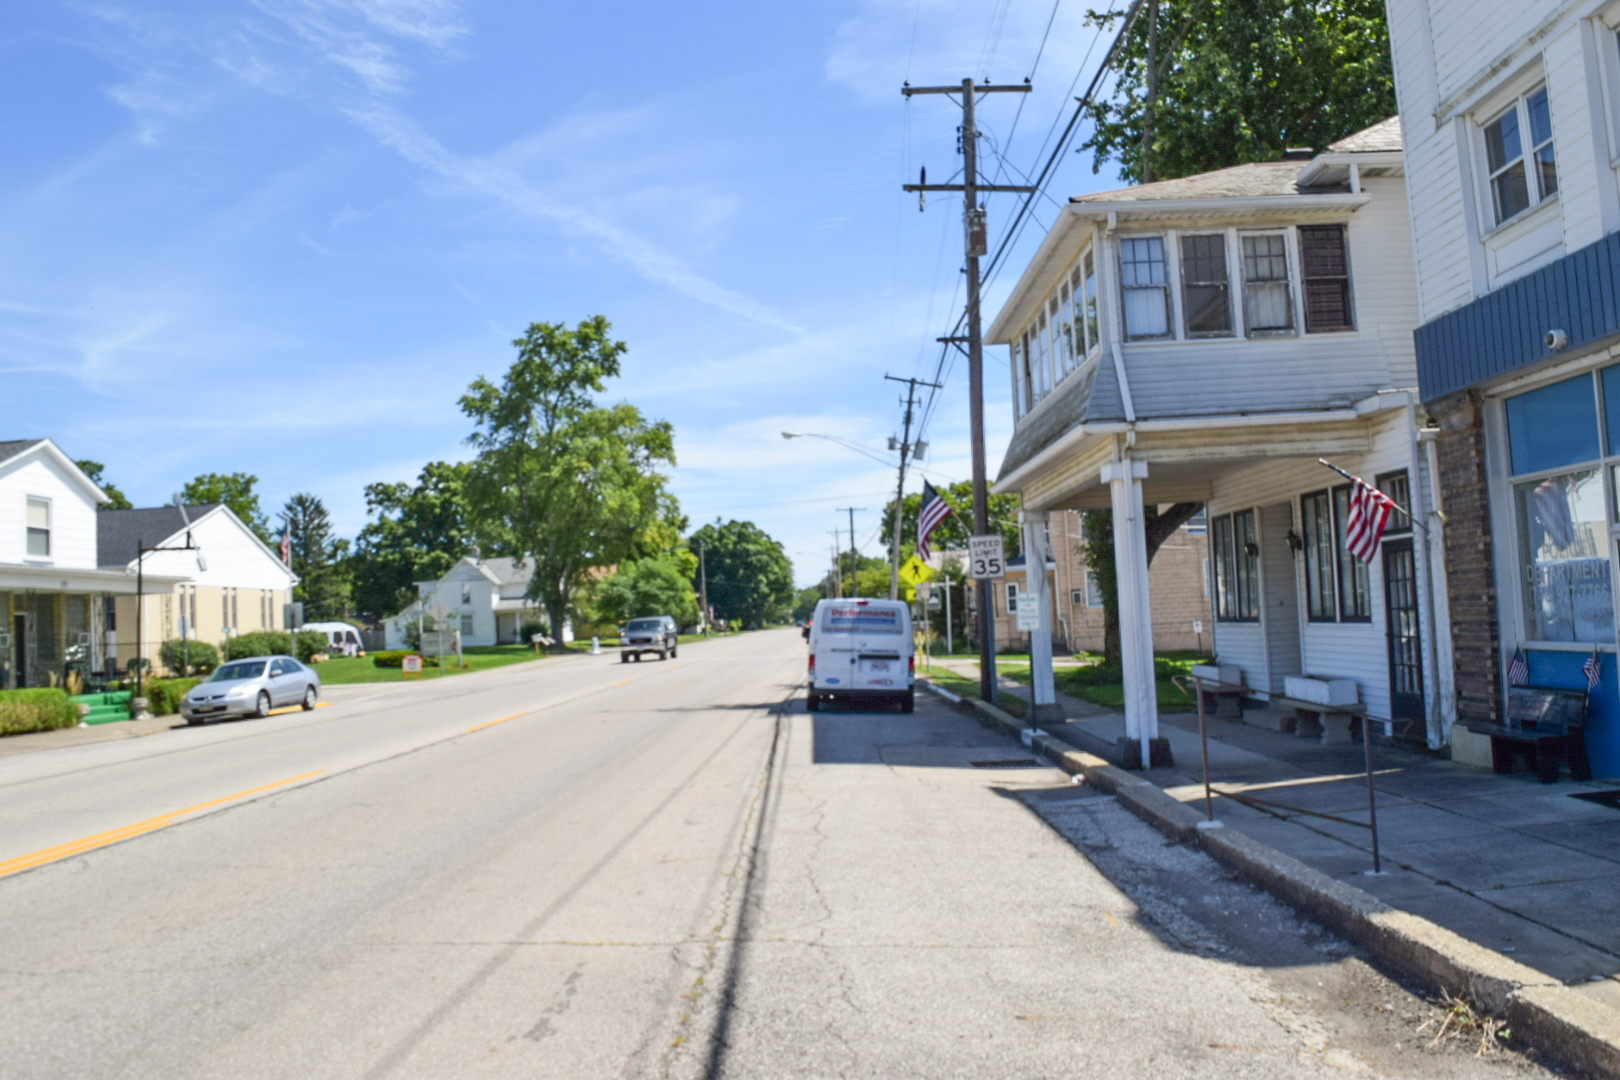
986	558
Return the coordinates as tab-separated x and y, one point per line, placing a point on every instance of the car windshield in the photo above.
240	669
646	624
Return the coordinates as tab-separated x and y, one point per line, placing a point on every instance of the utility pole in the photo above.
854	554
900	489
977	245
703	588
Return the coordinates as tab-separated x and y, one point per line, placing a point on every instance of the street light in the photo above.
857	447
141	552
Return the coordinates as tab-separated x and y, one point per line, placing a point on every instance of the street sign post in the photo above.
986	558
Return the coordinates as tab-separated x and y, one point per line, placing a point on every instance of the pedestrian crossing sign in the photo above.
914	571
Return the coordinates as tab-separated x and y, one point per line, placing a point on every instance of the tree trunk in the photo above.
1098	528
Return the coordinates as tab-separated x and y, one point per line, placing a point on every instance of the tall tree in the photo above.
416	533
1204	84
656	585
93	470
1097	532
317	558
560	480
749	574
236	491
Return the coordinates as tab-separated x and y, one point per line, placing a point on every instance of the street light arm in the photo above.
857	447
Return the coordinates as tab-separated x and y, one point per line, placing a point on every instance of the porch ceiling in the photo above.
18	576
1184	464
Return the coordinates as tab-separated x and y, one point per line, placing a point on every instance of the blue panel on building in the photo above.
1506	329
1562	671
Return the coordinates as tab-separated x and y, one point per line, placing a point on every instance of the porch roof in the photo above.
59	579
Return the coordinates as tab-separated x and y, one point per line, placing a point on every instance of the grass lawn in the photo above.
343	671
1102	686
968	688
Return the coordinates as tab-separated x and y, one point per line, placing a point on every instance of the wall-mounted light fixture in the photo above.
1295	543
1251	548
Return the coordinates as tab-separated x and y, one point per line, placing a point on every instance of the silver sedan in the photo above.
251	687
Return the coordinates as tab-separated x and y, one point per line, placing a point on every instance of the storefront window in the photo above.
1563	529
1554	426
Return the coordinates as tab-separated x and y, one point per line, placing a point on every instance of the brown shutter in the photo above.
1327	278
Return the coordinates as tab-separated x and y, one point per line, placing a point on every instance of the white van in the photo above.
341	638
861	650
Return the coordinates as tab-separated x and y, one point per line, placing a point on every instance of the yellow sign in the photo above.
911	594
914	571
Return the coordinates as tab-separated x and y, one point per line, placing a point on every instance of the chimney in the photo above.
1298	153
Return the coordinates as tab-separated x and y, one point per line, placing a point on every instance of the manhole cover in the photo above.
1009	763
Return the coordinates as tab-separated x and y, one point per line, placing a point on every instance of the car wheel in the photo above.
309	698
263	708
908	701
663	654
812	703
674	651
194	721
624	658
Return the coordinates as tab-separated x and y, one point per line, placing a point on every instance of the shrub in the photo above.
163	695
275	643
203	656
40	709
395	658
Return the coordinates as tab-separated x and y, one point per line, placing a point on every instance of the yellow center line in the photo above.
113	836
492	723
318	705
622	682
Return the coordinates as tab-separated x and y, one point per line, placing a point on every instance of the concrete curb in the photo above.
1546	1014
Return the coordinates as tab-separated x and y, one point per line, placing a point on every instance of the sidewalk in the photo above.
1520	868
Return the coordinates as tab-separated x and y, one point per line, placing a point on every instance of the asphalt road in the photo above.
585	869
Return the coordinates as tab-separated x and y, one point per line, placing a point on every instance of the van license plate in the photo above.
877	666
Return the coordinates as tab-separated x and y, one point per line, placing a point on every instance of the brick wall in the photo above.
1470	571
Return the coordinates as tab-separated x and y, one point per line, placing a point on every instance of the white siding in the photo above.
73	513
234	557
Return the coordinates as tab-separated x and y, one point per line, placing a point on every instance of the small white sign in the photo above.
1029	612
1198	626
986	558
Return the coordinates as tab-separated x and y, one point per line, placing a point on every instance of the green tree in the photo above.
1204	84
750	576
93	470
952	533
317	558
416	533
561	481
235	491
656	585
1097	544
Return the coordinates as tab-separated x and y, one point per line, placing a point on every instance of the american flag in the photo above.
286	545
1369	513
934	510
1594	670
1518	668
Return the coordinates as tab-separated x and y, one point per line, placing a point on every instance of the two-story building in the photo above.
1512	121
1207	339
58	604
486	599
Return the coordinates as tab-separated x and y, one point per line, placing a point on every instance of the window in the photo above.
1237	567
1207	306
39	527
1355	597
1012	598
1521	176
1090	287
1094	594
1327	278
466	624
1399	489
1062	312
1077	598
1145	278
1042	362
1316	525
233	609
466	592
1266	309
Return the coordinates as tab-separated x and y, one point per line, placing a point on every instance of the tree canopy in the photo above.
1233	81
952	533
416	533
750	577
560	481
656	585
93	470
317	558
236	491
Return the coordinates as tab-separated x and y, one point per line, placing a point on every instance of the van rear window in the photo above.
869	620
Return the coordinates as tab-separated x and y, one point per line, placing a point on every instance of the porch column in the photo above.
1135	610
1042	691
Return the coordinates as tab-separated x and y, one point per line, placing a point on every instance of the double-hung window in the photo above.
1266	308
1093	591
1206	293
39	528
1237	567
1088	267
1012	598
1519	156
1043	359
1316	525
1145	279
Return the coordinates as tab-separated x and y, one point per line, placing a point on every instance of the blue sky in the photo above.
282	236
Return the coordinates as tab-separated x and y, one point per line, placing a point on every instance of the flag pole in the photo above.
1350	476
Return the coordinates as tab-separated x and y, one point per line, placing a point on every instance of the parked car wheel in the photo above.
194	721
624	658
908	703
674	651
263	709
663	654
309	698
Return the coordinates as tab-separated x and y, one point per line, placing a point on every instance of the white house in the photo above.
1512	116
57	602
1206	340
231	584
483	598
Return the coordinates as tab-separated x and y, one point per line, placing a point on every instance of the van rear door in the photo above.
878	632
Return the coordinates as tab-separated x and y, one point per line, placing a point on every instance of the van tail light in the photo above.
911	663
812	663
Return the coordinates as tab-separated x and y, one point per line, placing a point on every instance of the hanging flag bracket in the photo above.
1407	514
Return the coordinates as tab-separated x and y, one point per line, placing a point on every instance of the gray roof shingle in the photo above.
11	448
119	533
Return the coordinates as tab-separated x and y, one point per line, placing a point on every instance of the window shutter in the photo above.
1327	278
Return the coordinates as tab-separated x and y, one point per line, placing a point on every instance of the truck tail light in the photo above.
812	663
911	663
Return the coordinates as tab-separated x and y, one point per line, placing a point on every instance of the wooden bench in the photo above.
1332	722
1544	726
